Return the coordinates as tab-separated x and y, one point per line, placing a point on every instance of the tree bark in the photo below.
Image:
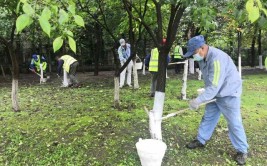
183	91
135	75
116	92
252	58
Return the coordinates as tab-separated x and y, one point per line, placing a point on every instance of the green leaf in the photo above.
69	33
57	44
46	13
71	8
63	17
249	5
72	44
79	20
28	9
23	1
54	9
45	25
18	6
22	21
254	14
259	3
265	11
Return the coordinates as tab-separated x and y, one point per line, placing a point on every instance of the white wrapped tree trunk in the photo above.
155	116
135	75
191	66
116	92
41	74
167	73
183	91
14	94
65	82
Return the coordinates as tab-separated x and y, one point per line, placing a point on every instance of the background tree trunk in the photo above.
253	42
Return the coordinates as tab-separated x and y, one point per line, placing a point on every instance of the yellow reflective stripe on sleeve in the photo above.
217	71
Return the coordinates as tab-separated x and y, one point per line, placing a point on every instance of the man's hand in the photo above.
193	104
58	75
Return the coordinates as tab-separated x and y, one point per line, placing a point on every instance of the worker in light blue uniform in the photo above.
124	52
223	83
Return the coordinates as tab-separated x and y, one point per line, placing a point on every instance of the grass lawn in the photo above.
67	126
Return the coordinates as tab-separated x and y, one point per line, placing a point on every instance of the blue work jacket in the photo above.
220	76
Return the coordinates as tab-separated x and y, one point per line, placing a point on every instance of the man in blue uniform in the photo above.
223	83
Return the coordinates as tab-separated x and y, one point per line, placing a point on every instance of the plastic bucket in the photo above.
151	151
138	65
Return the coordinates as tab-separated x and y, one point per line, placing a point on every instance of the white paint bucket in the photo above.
151	151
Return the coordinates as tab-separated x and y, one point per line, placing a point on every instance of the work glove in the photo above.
193	104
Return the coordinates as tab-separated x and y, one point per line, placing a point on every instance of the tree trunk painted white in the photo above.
3	71
116	92
42	74
260	62
183	91
65	82
167	73
191	66
155	116
14	95
135	75
239	66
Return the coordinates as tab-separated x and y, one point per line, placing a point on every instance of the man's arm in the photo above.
214	82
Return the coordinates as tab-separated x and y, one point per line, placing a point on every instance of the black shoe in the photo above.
241	158
195	144
152	95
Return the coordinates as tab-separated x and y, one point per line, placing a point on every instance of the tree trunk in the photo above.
3	71
99	47
252	62
15	73
183	91
155	115
14	95
259	49
15	77
135	75
116	92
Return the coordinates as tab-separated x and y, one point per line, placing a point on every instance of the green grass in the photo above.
61	126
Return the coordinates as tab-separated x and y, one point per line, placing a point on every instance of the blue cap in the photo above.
34	56
193	44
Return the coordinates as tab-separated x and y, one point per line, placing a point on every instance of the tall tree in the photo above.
8	39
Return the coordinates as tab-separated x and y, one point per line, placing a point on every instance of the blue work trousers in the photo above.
230	108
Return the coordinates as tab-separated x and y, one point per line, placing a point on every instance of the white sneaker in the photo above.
129	85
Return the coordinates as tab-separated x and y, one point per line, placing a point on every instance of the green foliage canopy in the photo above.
57	20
